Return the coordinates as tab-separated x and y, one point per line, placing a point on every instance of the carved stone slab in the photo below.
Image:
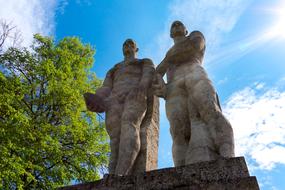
221	174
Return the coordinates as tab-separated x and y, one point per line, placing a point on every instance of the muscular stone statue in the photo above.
199	130
131	113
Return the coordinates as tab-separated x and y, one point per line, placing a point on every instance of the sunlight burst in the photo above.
278	28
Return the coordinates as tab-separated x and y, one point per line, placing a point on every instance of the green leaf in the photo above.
48	138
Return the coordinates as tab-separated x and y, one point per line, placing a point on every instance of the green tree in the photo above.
47	137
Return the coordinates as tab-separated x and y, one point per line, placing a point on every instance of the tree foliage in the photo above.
47	137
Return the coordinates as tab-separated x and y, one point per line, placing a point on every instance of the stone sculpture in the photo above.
131	113
199	130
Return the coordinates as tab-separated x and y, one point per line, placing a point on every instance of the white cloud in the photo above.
223	81
259	125
30	16
258	85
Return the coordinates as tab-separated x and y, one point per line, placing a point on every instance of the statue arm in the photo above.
159	86
108	81
96	102
147	74
105	90
162	67
193	47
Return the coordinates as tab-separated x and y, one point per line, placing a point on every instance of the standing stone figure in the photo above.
199	130
131	113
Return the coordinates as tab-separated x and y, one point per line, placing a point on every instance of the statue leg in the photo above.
113	120
205	99
132	116
180	128
201	146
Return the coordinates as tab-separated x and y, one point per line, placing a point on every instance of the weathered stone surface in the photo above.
132	115
199	130
221	174
149	134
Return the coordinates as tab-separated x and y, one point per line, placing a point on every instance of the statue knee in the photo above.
130	132
136	145
130	142
113	128
175	129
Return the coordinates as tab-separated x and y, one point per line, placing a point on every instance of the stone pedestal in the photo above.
221	174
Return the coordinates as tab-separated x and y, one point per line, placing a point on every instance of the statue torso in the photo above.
126	76
182	56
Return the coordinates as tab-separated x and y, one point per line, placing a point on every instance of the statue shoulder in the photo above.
147	62
198	40
114	68
196	34
171	50
111	72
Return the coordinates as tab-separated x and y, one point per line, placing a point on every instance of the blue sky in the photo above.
244	58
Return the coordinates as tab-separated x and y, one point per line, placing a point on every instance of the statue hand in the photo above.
159	86
94	102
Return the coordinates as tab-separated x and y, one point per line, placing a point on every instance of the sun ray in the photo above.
277	30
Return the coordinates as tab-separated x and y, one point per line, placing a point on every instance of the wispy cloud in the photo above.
213	18
257	116
30	16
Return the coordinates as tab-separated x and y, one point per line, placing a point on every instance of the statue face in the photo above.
129	47
177	29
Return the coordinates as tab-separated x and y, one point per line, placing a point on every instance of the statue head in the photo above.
130	47
178	29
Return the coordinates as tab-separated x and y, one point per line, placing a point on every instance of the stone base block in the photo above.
221	174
